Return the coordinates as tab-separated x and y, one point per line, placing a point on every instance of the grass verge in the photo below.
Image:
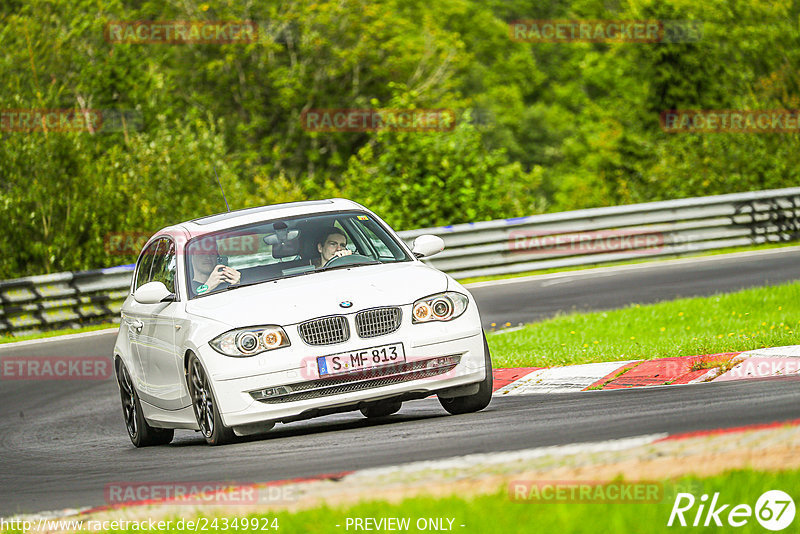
728	322
498	513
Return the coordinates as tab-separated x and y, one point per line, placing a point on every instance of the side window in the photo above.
145	264
380	246
164	264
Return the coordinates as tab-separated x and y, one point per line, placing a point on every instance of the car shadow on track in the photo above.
319	426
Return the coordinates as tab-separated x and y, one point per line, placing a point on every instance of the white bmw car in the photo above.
279	313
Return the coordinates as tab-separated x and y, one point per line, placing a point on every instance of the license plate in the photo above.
358	360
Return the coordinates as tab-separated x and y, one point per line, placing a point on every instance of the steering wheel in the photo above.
349	259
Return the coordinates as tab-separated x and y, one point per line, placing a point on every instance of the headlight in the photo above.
244	342
440	307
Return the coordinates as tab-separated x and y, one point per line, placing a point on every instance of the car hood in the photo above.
297	299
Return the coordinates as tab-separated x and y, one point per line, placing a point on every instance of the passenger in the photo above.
208	270
331	244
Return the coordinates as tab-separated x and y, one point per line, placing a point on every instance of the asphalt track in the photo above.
62	442
62	446
533	299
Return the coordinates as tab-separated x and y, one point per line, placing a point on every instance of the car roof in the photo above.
231	219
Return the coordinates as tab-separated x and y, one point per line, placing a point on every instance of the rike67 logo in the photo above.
774	510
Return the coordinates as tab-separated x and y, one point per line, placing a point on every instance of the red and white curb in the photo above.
760	363
560	379
773	361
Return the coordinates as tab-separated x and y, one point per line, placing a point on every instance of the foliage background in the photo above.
543	127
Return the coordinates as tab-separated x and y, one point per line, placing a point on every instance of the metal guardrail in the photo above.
63	300
619	233
555	240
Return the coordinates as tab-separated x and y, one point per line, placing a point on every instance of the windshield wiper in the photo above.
236	286
334	267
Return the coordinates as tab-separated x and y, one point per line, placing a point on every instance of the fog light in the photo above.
267	393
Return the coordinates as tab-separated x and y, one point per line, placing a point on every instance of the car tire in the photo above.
205	406
477	401
140	432
381	409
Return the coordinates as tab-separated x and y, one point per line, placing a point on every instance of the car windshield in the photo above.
277	249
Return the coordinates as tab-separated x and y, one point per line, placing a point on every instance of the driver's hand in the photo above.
222	273
343	252
231	275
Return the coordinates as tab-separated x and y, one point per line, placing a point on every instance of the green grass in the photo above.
497	513
54	333
765	246
729	322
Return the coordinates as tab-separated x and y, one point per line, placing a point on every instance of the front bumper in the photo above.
442	357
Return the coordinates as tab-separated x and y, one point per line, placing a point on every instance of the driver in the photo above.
331	244
209	271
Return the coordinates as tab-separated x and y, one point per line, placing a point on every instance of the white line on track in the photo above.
472	460
607	271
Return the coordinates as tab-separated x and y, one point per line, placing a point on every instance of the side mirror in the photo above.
427	245
153	293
